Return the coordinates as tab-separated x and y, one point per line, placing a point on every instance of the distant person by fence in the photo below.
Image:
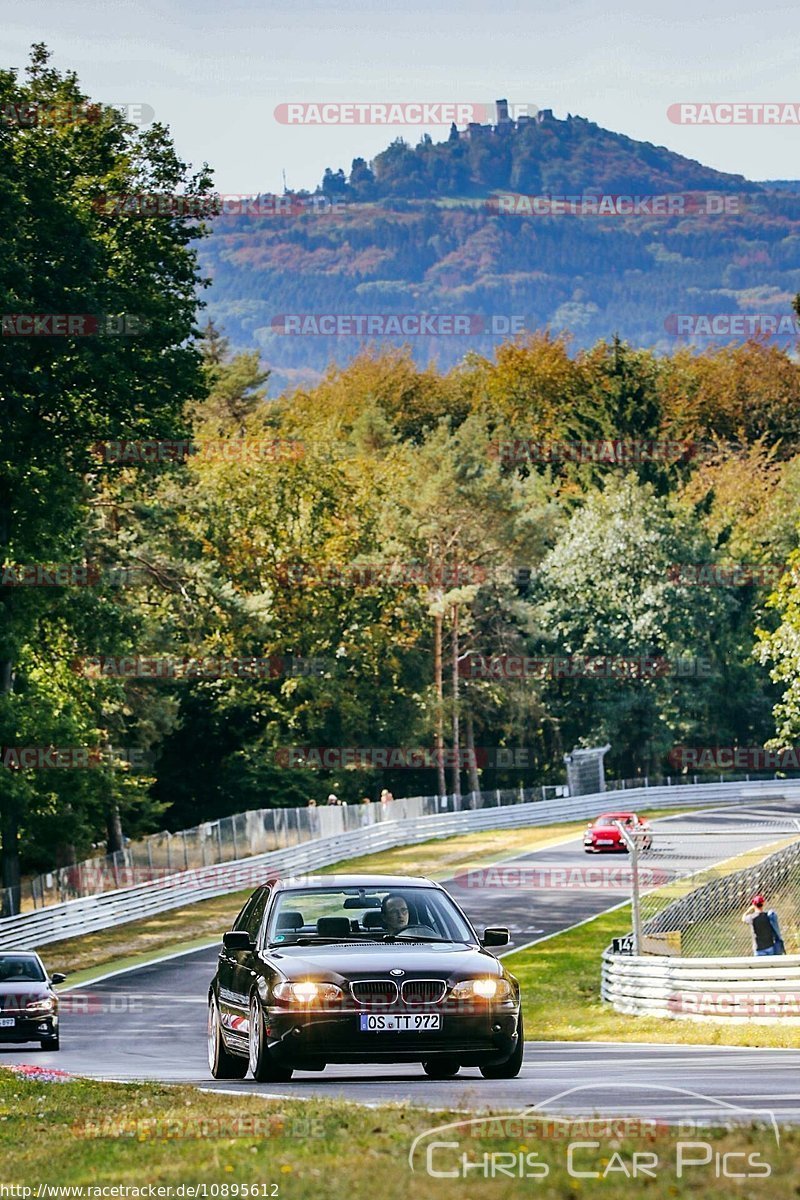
765	928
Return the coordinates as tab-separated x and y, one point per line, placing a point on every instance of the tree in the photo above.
450	508
64	253
608	590
334	183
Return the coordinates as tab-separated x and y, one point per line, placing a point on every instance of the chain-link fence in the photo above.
261	830
241	836
696	883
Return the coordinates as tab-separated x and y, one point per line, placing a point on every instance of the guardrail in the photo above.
91	913
257	831
727	990
241	835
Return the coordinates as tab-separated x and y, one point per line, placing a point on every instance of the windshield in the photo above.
610	818
344	914
14	968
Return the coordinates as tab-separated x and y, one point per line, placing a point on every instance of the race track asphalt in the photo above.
149	1023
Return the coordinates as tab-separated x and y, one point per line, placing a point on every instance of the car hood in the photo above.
450	959
24	990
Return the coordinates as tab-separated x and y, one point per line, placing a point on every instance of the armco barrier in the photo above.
738	990
90	913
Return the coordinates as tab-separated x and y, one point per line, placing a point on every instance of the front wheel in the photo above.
50	1043
263	1068
511	1068
221	1062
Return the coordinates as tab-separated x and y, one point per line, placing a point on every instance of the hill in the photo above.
581	245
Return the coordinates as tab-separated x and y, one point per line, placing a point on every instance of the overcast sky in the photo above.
214	72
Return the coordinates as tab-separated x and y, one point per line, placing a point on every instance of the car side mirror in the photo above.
238	939
57	977
495	937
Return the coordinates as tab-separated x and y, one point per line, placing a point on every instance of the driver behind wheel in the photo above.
395	917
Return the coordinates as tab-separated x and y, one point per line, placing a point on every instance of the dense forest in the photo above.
244	578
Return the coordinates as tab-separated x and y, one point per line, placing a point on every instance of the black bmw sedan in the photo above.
360	969
28	1003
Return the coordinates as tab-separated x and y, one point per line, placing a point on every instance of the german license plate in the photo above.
6	1022
605	841
399	1022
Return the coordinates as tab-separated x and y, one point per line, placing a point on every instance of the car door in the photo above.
243	965
227	966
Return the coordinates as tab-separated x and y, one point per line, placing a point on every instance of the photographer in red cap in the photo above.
765	928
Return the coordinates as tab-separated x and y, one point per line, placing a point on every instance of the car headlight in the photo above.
307	992
481	989
45	1004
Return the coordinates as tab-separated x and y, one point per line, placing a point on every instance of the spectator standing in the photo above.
764	927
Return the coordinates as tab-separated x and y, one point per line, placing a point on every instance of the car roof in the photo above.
20	954
293	883
615	815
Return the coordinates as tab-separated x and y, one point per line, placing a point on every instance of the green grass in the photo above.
560	981
102	1134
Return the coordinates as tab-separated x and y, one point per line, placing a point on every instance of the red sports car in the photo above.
603	834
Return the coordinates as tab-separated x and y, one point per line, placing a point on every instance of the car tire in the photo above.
263	1067
222	1064
441	1068
512	1066
51	1043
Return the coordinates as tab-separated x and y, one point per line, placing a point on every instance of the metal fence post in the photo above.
636	908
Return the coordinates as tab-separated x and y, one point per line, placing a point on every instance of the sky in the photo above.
215	72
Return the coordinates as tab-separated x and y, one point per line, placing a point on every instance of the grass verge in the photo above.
96	1135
